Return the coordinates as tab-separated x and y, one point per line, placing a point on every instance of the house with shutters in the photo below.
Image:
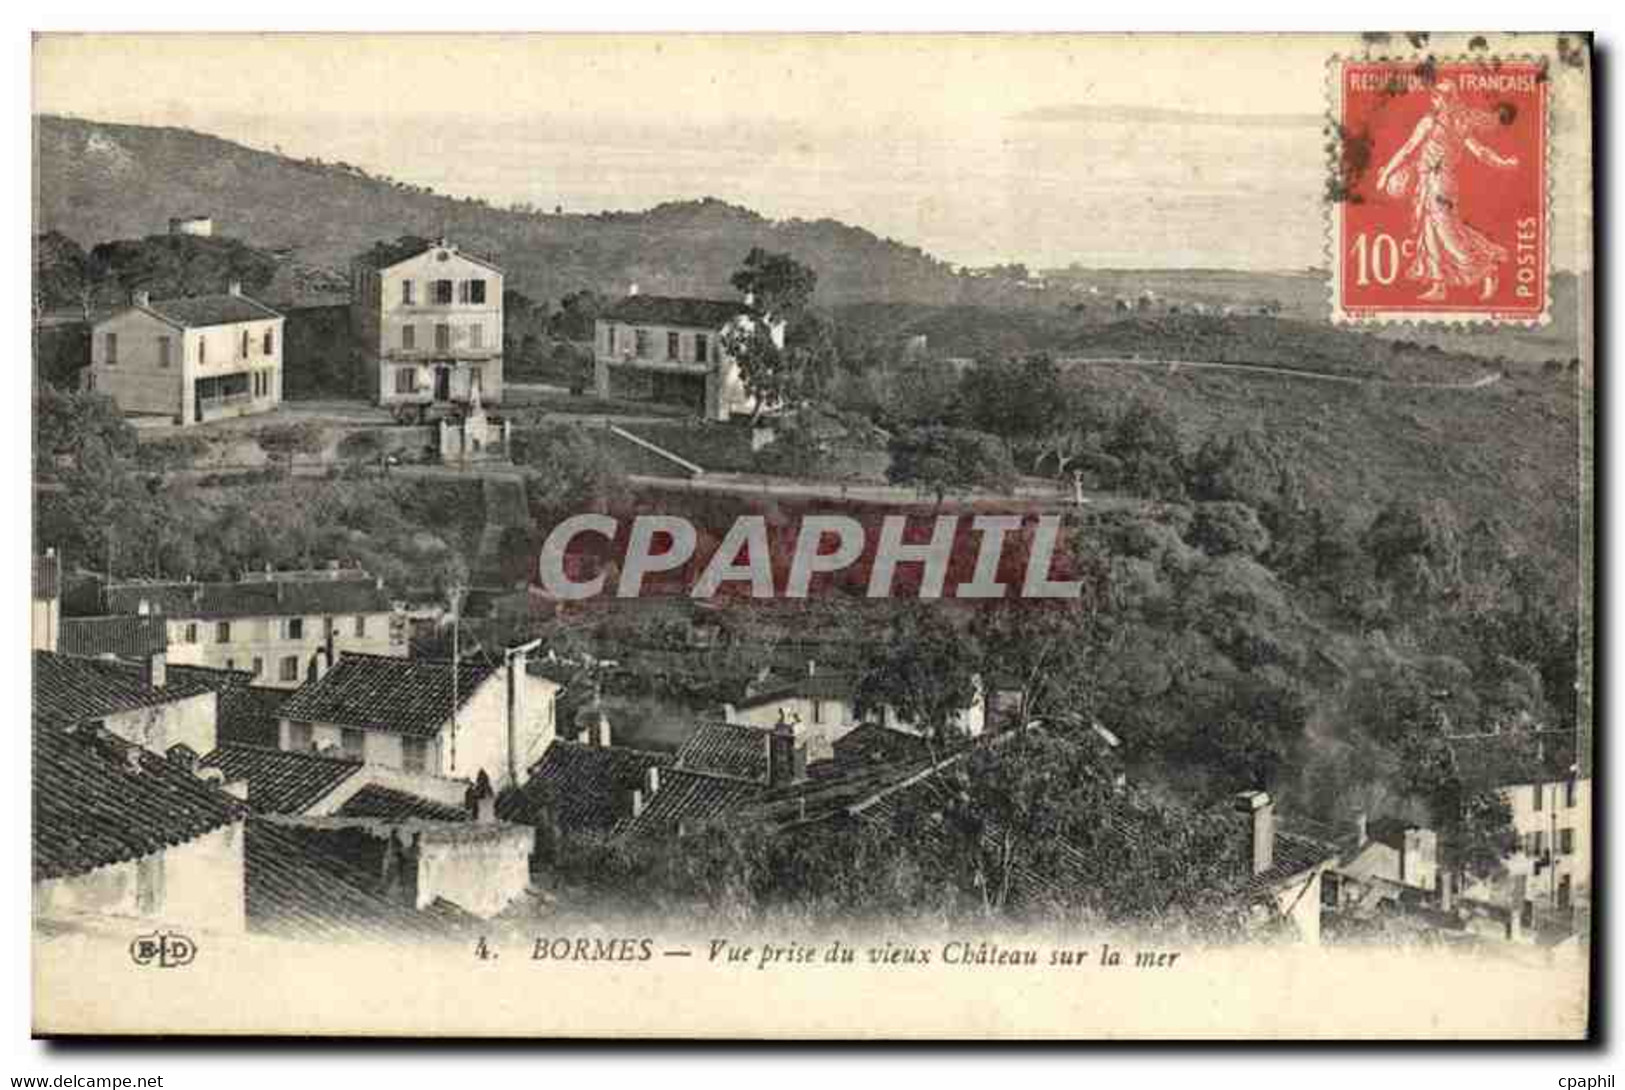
192	360
426	319
671	349
1544	779
266	625
426	718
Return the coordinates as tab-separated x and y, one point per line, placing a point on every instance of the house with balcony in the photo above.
190	360
671	349
426	318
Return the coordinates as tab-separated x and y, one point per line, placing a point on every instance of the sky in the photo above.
1123	151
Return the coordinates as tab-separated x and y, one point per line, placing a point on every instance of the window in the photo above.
222	632
1565	841
409	336
290	672
110	349
673	344
609	332
442	292
406	380
301	739
415	754
268	345
643	346
406	293
191	632
295	628
1570	793
476	377
231	664
1536	842
242	346
361	627
702	346
476	336
818	711
163	351
473	291
442	335
353	744
202	348
259	666
1540	792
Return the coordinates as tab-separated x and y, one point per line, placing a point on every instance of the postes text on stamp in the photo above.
1440	192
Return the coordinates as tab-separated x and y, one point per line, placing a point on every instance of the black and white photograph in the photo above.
812	536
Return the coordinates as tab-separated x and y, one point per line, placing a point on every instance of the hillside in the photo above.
96	182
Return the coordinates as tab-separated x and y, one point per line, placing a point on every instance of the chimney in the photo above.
812	667
1258	806
786	757
632	289
155	669
750	299
480	800
234	288
651	780
728	713
142	298
635	802
1362	829
1447	900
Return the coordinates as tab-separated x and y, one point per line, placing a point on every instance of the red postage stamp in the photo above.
1439	193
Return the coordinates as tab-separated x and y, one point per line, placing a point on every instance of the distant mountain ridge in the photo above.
98	181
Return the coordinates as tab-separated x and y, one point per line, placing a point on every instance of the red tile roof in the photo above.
375	801
580	787
299	887
124	634
706	314
685	799
74	689
379	692
257	598
99	800
279	781
727	749
209	310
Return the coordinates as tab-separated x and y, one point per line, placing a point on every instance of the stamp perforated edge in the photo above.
1334	204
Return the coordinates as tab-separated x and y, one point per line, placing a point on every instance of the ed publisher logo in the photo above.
165	949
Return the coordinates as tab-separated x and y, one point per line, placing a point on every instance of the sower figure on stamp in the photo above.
1449	252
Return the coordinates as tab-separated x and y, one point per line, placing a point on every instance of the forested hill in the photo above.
99	181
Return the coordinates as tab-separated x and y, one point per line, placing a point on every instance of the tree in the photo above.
1014	398
565	471
781	286
926	674
942	460
62	273
169	266
286	441
575	318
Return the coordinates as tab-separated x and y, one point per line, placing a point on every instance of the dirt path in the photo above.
1489	379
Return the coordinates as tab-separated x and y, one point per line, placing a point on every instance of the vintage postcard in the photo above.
812	536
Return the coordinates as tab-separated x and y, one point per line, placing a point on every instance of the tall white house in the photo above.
427	321
191	360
